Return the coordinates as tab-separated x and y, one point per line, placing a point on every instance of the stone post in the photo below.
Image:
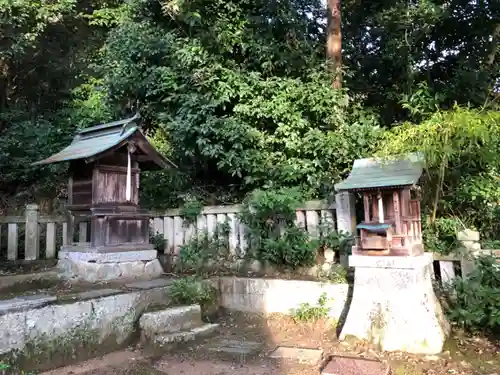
32	239
346	212
469	240
346	217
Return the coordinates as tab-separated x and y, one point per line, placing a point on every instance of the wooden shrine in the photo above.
391	201
103	185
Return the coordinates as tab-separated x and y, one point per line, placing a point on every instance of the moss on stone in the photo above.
44	352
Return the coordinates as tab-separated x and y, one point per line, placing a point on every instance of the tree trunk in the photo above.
334	41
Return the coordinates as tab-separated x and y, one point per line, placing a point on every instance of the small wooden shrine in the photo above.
391	201
103	185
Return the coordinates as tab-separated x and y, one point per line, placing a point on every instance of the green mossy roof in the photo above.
94	141
374	173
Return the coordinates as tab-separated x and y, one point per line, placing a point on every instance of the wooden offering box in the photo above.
392	221
103	185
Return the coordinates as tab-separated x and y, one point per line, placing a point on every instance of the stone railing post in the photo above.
32	237
345	211
469	239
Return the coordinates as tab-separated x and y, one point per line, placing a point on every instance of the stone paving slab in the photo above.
150	284
25	302
354	366
113	257
93	365
96	293
205	367
235	346
302	355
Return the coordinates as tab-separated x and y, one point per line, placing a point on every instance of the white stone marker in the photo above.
394	305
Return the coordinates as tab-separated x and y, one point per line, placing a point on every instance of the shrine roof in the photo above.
372	173
91	143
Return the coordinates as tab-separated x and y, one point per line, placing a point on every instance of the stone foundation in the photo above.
94	267
394	305
255	295
43	332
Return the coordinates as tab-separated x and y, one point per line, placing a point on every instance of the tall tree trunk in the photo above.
334	41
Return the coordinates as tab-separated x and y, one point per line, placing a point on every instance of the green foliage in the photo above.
238	94
475	300
460	148
190	211
269	216
441	237
332	239
490	244
307	312
4	367
159	242
293	248
477	198
206	249
237	98
267	212
336	275
191	290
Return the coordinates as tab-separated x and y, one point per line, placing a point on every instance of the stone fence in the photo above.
34	236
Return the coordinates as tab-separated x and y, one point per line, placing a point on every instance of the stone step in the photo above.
170	320
185	336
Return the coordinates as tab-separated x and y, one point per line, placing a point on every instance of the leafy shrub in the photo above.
441	238
272	234
191	290
474	301
477	199
190	211
196	253
267	212
293	248
337	275
159	242
307	312
335	240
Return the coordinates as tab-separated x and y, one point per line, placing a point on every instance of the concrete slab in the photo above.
235	346
25	302
302	355
150	284
355	366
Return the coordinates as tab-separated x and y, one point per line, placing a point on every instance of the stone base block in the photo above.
95	267
394	305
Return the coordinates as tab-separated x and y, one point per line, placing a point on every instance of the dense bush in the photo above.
191	290
474	301
205	249
273	235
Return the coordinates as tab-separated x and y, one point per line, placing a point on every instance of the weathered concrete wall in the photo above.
44	328
279	296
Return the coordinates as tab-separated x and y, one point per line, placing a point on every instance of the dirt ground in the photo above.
462	356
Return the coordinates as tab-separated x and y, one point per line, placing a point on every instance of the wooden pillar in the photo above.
366	206
397	213
380	207
375	210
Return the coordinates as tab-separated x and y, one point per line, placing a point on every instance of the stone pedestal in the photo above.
394	305
92	266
